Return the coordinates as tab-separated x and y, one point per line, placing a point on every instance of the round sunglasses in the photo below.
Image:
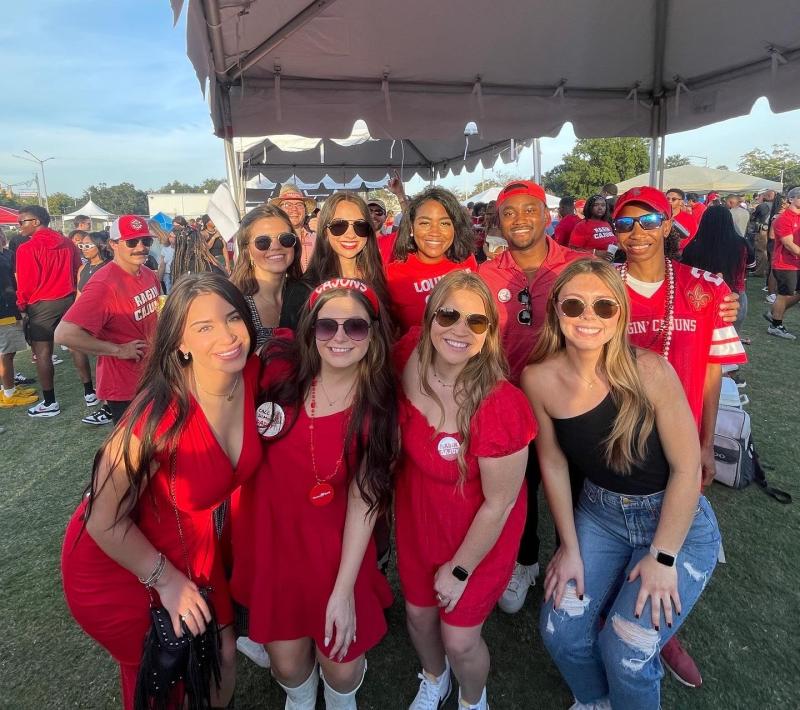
287	240
573	307
651	220
361	227
447	317
325	329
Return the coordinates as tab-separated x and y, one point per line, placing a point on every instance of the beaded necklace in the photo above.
668	321
321	492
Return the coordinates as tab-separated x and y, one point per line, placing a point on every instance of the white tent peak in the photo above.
90	209
694	178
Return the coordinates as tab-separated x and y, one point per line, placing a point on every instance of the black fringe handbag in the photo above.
169	661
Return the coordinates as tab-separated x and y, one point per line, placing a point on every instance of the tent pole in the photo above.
537	161
231	160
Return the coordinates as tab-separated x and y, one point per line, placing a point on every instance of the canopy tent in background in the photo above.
8	217
692	178
163	220
90	209
493	192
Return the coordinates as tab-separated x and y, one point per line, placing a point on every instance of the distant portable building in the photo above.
187	204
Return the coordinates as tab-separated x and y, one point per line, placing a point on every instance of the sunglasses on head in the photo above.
447	317
287	240
651	220
525	316
573	307
354	328
361	227
133	243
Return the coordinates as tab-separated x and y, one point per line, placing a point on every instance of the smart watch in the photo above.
662	557
460	573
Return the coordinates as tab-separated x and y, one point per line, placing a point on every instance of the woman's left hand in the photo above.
448	588
660	585
340	624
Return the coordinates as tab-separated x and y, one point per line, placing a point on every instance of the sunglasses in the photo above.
574	307
86	247
23	221
651	220
525	316
354	328
133	243
361	227
447	317
287	240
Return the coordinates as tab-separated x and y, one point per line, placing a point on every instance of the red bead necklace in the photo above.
321	492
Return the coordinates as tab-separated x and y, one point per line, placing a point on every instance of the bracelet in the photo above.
155	575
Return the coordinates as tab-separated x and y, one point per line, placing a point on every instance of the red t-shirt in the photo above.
698	208
699	337
117	307
786	224
386	246
592	234
410	284
564	229
506	281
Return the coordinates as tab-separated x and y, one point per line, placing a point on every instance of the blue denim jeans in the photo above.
620	661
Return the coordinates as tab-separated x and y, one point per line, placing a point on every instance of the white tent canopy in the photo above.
90	209
692	178
323	186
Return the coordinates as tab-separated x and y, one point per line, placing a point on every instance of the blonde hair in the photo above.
481	373
626	445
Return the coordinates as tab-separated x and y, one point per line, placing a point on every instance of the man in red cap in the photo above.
520	281
115	317
682	218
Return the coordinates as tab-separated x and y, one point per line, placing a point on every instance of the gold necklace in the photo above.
591	383
229	396
331	402
439	379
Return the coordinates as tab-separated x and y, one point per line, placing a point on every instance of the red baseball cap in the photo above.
579	205
650	196
129	226
523	187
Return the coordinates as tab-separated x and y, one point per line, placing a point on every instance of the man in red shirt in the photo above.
47	267
115	317
566	209
682	219
786	263
697	207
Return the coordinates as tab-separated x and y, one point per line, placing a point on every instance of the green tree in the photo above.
210	184
178	186
772	166
124	198
676	160
593	162
61	203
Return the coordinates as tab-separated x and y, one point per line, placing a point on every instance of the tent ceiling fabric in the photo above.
692	178
423	69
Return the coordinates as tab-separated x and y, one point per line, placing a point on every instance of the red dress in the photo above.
432	515
108	601
286	551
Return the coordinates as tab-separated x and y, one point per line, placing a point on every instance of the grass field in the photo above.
742	631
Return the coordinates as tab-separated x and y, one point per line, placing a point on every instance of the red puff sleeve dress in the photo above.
286	551
108	601
433	514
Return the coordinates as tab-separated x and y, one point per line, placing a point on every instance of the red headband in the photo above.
348	285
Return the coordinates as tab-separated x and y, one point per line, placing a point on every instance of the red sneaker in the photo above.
682	666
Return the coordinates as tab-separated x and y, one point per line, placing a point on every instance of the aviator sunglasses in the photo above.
651	220
573	307
476	322
287	240
354	328
361	227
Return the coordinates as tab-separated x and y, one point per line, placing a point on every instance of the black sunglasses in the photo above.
287	240
525	316
476	322
354	328
23	221
574	307
651	220
133	243
361	227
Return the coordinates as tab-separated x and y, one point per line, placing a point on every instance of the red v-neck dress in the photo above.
433	514
108	601
286	551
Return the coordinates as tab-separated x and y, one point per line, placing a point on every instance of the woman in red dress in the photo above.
459	502
435	239
124	547
304	561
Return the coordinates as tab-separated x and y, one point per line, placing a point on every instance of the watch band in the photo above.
663	557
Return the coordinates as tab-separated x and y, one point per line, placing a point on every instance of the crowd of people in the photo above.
276	414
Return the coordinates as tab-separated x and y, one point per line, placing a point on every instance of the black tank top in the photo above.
88	271
581	439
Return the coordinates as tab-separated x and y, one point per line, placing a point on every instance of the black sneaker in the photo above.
20	379
98	417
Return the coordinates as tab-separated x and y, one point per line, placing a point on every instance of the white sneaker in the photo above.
254	651
56	360
90	399
482	704
44	410
771	298
523	578
780	332
432	694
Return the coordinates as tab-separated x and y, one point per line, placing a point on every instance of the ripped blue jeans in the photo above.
620	661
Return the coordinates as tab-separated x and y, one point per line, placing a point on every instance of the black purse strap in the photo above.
760	479
172	474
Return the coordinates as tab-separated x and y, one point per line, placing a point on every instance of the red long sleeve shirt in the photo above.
47	268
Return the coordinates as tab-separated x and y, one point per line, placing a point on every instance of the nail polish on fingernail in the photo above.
669	625
656	627
636	615
580	596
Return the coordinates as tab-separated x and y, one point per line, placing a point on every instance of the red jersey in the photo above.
564	229
47	268
386	246
117	307
699	336
506	281
410	283
786	224
592	234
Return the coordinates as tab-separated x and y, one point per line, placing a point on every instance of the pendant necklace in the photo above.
321	492
228	397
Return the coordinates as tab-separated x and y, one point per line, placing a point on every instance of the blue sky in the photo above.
106	88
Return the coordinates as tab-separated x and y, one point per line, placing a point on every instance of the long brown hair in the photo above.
162	387
243	275
626	445
481	373
372	430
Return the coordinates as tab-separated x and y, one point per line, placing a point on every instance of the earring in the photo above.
186	356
